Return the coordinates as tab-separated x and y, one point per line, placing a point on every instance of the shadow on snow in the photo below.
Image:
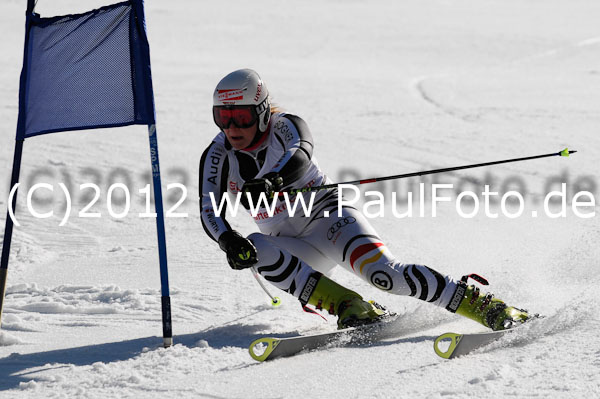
12	367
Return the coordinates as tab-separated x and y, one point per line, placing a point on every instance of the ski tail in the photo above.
442	339
269	343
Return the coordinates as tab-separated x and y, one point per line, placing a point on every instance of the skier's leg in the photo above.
278	265
351	241
300	249
288	272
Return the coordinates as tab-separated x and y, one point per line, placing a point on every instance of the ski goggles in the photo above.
242	116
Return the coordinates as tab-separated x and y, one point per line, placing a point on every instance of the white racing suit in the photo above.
291	248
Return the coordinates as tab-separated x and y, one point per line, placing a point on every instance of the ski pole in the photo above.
275	301
563	153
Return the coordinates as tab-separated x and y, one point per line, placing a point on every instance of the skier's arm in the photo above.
214	169
295	137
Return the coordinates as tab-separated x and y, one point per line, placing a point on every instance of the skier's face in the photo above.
240	138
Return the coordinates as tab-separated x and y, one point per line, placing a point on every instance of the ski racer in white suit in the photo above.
263	150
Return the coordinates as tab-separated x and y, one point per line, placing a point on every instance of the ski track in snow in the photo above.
82	309
77	299
418	85
36	245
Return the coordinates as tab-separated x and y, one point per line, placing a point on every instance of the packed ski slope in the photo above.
386	87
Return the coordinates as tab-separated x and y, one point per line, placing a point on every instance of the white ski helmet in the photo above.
244	87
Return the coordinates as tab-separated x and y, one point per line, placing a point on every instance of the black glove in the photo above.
268	184
241	253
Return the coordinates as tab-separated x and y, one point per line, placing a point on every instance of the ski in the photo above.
462	344
272	347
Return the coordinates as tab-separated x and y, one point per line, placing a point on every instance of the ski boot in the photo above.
351	309
484	309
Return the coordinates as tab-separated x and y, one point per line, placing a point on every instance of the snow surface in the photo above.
411	85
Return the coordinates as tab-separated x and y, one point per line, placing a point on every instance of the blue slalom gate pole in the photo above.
8	229
16	169
144	68
162	244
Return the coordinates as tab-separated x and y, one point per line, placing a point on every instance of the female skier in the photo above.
262	150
